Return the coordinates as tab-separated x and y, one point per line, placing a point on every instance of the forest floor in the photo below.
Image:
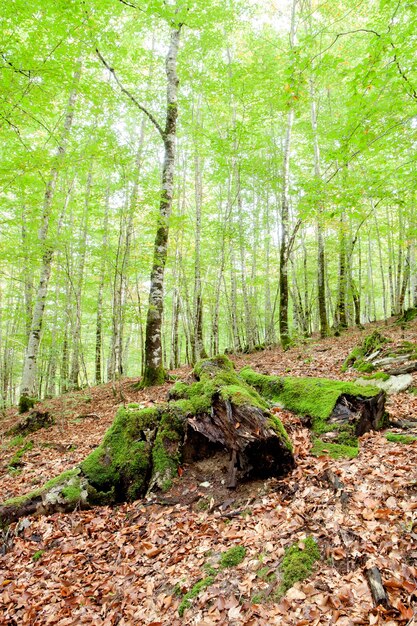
131	564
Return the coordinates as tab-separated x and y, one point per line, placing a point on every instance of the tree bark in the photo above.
285	216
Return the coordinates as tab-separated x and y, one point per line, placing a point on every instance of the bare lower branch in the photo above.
130	96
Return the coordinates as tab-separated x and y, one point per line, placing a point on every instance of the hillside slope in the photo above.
133	564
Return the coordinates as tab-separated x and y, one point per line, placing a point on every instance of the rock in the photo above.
394	384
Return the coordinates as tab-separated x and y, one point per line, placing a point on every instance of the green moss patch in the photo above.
16	460
378	376
38	555
118	468
232	557
396	438
408	316
334	450
297	564
193	593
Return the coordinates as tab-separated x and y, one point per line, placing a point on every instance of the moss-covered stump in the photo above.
339	411
143	448
227	413
31	423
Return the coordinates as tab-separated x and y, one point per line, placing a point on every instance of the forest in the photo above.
208	312
283	135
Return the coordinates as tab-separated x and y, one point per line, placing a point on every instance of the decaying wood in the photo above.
365	413
376	586
334	480
407	369
255	448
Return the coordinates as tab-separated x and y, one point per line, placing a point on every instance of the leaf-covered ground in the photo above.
133	564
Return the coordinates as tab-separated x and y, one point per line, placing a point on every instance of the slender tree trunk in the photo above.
321	285
77	292
154	372
199	350
28	276
285	217
99	318
340	313
29	367
405	281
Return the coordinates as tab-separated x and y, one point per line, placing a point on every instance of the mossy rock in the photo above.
137	446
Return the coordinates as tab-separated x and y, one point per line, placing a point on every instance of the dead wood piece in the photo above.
403	424
390	360
333	480
88	416
376	586
257	451
407	369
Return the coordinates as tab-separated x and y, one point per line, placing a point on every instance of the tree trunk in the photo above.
154	372
285	216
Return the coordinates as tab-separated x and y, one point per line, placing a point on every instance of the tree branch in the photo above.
292	238
412	93
349	32
130	96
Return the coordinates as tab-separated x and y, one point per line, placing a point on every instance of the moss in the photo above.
54	482
363	366
16	460
334	450
72	493
394	438
265	574
378	376
166	455
16	441
313	397
209	367
152	376
242	394
408	316
370	344
232	557
210	570
297	564
119	467
193	593
275	423
37	555
26	403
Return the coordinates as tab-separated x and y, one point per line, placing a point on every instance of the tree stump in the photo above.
142	450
